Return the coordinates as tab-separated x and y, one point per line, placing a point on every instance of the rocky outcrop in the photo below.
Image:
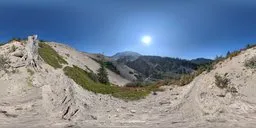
23	53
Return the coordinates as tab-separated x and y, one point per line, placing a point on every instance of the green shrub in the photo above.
228	53
250	46
50	56
233	54
13	48
81	77
221	81
186	79
43	41
232	90
3	62
251	63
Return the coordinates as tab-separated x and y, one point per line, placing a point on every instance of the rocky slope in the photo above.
47	98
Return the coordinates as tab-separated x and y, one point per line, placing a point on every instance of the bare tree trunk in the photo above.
32	51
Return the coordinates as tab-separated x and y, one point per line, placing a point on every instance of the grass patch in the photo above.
93	76
31	72
50	56
29	82
135	84
81	77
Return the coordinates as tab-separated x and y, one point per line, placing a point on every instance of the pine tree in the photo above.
228	53
248	46
102	73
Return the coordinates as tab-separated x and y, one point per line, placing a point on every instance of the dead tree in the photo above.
32	51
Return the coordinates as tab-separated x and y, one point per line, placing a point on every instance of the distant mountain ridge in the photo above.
156	67
201	61
131	56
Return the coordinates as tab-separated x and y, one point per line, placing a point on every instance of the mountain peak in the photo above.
130	54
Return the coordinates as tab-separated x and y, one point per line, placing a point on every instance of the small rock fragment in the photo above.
93	117
133	111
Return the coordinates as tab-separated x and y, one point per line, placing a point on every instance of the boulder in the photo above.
18	53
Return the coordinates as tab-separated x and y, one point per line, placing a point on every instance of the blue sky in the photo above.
179	28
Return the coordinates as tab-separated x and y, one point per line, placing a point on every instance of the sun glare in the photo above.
146	40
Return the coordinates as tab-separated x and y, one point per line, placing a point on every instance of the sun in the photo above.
146	40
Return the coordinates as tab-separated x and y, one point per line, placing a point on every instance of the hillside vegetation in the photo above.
81	77
50	56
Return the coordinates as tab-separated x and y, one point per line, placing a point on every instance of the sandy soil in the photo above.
49	99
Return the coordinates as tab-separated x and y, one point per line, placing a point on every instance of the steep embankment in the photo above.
85	62
48	98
